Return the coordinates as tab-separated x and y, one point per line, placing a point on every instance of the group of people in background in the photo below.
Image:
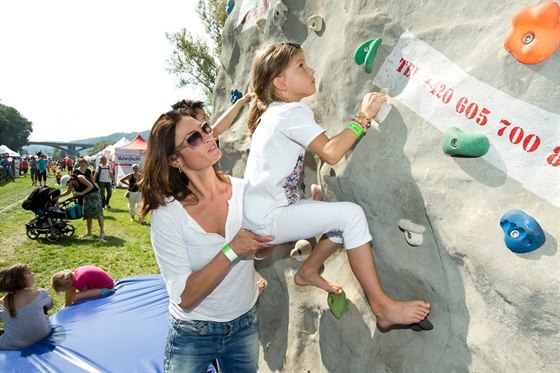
92	183
38	166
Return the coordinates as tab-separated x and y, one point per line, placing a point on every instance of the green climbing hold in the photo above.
337	303
361	51
371	54
457	143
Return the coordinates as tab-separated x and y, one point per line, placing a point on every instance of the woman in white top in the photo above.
205	258
23	309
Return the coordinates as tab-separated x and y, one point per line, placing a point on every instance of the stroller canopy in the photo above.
41	198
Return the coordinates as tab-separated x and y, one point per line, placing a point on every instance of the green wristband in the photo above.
356	128
230	254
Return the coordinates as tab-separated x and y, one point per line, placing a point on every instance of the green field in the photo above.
126	251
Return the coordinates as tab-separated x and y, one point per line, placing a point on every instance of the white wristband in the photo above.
229	253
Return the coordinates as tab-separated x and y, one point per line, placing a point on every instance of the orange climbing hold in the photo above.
535	33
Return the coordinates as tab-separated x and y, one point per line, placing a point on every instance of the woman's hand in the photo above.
246	243
372	103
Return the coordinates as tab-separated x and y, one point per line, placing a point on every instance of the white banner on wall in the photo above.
251	11
524	140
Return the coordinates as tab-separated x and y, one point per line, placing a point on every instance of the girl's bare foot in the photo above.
303	278
400	313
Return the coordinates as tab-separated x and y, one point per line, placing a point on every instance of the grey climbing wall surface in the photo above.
493	310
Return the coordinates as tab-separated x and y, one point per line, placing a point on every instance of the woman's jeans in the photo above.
193	345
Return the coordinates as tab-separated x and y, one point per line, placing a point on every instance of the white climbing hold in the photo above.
315	23
383	112
280	9
301	250
413	233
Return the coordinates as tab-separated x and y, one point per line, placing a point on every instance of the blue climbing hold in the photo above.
229	6
235	95
523	233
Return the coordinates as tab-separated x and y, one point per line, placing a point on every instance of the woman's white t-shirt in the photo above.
276	160
182	247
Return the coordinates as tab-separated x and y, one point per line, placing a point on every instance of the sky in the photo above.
80	69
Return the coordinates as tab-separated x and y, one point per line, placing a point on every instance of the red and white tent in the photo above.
127	155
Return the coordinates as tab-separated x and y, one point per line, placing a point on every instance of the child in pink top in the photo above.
83	283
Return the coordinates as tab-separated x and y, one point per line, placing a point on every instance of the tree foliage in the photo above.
14	128
58	154
99	147
213	15
193	61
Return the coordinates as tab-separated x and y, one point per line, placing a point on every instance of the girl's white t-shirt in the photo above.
275	161
182	247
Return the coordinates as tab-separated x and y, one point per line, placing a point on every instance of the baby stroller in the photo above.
50	217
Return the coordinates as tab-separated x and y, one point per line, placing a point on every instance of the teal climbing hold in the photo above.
365	53
458	143
337	303
361	51
371	54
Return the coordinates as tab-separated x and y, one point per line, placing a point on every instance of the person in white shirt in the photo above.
205	257
105	180
282	128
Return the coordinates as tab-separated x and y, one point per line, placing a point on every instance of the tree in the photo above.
58	154
14	128
99	147
193	61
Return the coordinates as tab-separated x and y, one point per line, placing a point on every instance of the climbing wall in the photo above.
460	182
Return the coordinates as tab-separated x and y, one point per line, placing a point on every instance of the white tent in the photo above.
109	151
4	149
127	155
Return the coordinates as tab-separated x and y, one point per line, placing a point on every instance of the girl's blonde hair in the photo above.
12	279
269	63
60	280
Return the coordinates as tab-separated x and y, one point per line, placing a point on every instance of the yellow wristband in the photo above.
230	254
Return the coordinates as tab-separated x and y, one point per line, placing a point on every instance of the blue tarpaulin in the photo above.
124	332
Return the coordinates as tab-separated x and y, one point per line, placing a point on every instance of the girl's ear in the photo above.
279	83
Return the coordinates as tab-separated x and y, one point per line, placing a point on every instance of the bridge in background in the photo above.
72	149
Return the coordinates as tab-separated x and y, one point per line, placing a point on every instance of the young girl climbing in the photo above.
282	128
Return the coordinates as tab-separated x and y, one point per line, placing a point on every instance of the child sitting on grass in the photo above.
83	283
23	309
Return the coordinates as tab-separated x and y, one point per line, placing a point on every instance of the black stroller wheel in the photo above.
69	230
32	233
53	234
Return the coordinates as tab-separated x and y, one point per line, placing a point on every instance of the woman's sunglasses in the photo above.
195	138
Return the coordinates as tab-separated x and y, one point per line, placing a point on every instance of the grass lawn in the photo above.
126	251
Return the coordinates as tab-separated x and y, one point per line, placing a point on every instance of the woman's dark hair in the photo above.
159	180
12	279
